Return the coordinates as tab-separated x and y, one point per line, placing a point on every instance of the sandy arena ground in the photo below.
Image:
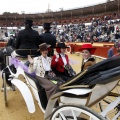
17	109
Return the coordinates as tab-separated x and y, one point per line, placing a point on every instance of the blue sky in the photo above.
39	6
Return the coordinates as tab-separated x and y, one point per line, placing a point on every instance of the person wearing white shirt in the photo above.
41	66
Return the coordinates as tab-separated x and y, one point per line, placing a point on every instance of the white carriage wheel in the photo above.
5	90
73	112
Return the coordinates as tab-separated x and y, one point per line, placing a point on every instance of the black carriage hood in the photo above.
103	72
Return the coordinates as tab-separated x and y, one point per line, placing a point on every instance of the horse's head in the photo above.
3	53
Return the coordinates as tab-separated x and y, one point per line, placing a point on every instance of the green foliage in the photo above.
8	13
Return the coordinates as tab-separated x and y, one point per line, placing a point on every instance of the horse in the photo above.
6	51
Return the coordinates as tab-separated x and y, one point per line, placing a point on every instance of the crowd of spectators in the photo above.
95	31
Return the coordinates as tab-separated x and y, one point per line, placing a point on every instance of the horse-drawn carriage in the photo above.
74	97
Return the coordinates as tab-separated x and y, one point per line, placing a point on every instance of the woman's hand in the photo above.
30	59
57	57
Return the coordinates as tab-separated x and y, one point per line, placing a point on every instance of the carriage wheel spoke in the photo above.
62	116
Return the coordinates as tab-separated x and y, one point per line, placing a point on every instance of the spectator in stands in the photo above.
11	42
118	44
111	52
117	54
87	51
48	38
27	39
59	61
16	33
6	34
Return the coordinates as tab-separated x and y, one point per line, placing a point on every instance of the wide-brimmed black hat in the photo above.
43	46
61	45
28	21
47	25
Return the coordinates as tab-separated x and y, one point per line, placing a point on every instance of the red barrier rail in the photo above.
3	44
102	48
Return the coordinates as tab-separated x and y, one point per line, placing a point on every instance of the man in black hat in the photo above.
27	39
48	38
